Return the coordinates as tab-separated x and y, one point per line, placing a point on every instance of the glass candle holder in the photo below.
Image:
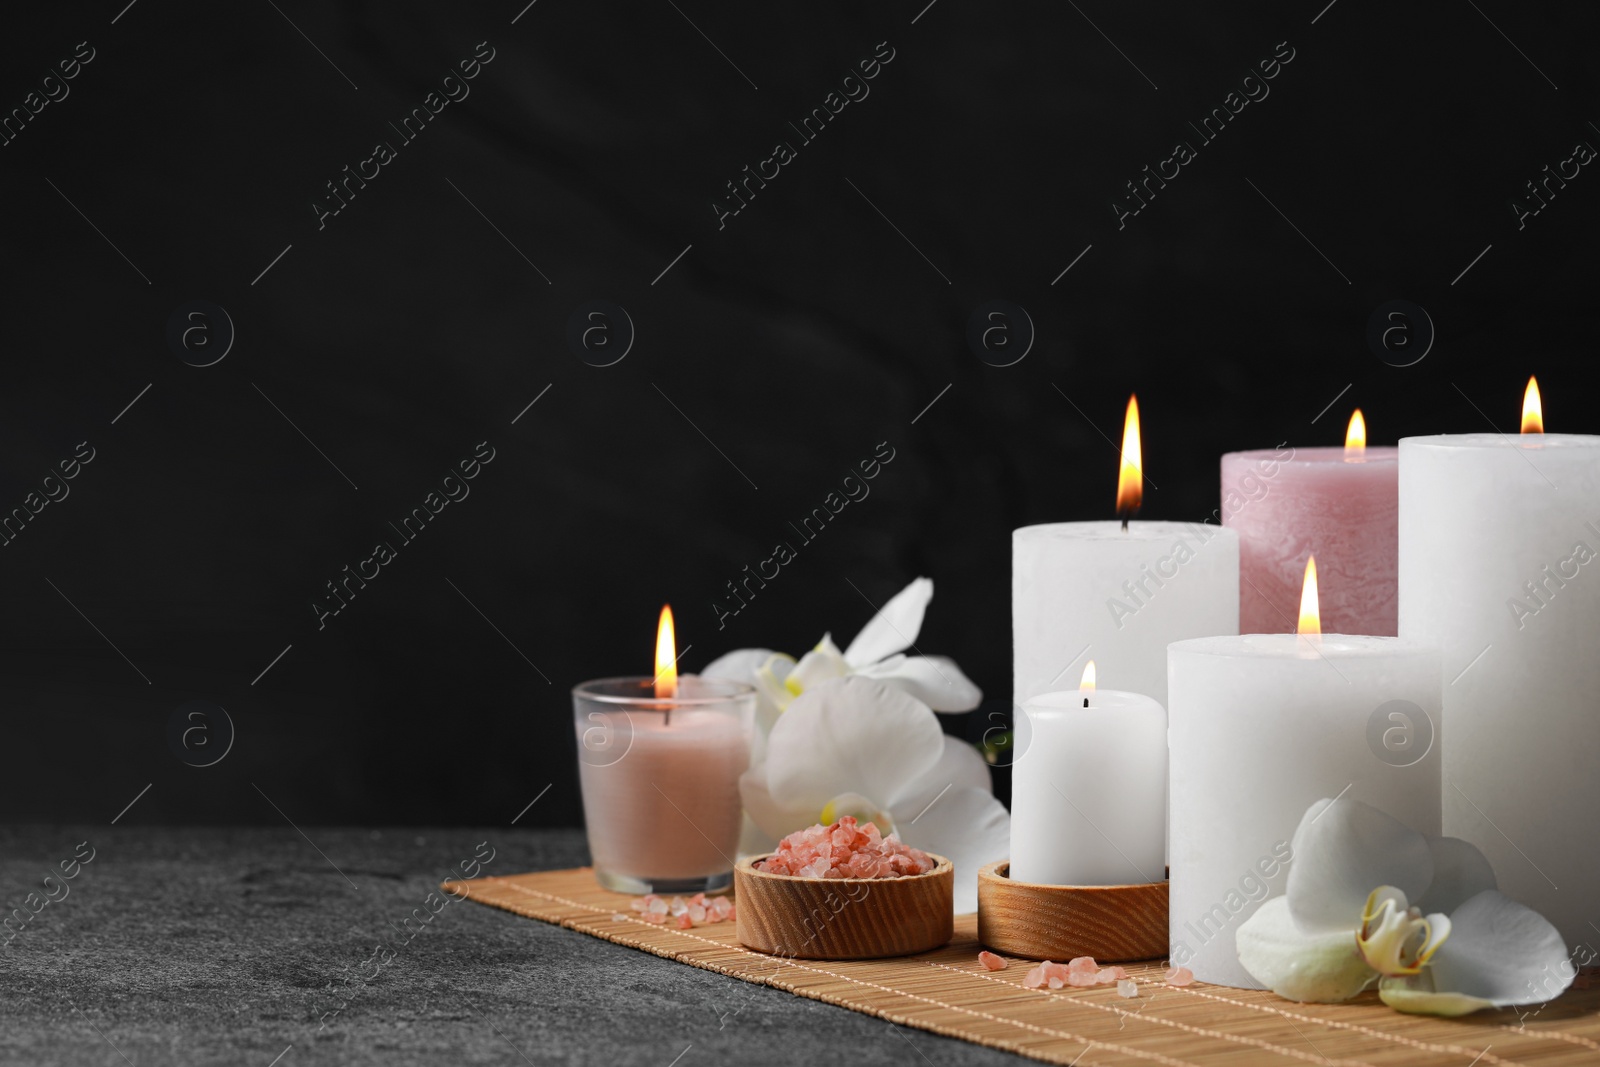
660	780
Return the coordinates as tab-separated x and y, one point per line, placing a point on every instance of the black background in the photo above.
795	339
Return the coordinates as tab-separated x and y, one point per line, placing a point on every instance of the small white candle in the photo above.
1089	788
1263	726
1499	537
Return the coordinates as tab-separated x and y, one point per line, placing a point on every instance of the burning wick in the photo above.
1086	686
1130	476
666	680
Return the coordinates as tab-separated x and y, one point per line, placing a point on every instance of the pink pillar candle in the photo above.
660	780
1287	504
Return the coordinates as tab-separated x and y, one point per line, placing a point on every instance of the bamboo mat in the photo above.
948	992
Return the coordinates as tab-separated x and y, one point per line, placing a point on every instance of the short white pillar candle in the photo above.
1089	789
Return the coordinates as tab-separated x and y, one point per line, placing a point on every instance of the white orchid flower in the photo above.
1346	920
878	651
860	746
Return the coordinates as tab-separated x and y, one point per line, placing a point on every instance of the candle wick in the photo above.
1085	701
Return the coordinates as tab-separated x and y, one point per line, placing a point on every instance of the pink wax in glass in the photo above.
1287	504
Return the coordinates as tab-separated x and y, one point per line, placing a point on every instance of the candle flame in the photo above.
1355	438
1086	686
666	656
1310	612
1130	478
1532	409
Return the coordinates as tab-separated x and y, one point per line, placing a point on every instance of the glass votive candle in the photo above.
660	780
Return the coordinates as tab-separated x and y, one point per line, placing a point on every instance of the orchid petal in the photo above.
771	819
968	827
934	680
817	666
1342	849
850	735
1460	872
770	678
895	626
1318	967
744	665
959	767
859	808
1502	952
1415	994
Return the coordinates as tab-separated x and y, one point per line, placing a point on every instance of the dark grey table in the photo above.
256	946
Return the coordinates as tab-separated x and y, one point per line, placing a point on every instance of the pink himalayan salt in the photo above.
1180	976
1127	987
992	962
680	912
1082	972
617	916
845	850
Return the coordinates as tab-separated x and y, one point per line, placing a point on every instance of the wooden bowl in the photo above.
844	918
1112	923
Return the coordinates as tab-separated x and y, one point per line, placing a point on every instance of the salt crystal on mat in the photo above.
845	850
619	917
1127	988
697	913
1107	975
1034	978
684	922
657	917
992	962
1180	976
1084	965
678	906
657	906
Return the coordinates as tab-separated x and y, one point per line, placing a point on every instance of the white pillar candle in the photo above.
1498	542
1089	789
1092	590
1264	725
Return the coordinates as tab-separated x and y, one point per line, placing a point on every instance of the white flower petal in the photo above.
1415	994
959	767
815	667
1502	952
1460	872
739	665
1322	967
775	696
851	735
967	826
770	818
934	680
1344	849
894	627
744	665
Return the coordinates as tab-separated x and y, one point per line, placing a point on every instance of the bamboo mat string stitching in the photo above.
1190	1028
1048	1031
1289	1016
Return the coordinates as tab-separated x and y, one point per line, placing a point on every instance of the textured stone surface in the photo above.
216	946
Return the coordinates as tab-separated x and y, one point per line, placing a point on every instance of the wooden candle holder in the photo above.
844	918
1112	923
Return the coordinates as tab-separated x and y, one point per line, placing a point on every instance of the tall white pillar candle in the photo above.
1264	725
1498	541
1091	590
1089	789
